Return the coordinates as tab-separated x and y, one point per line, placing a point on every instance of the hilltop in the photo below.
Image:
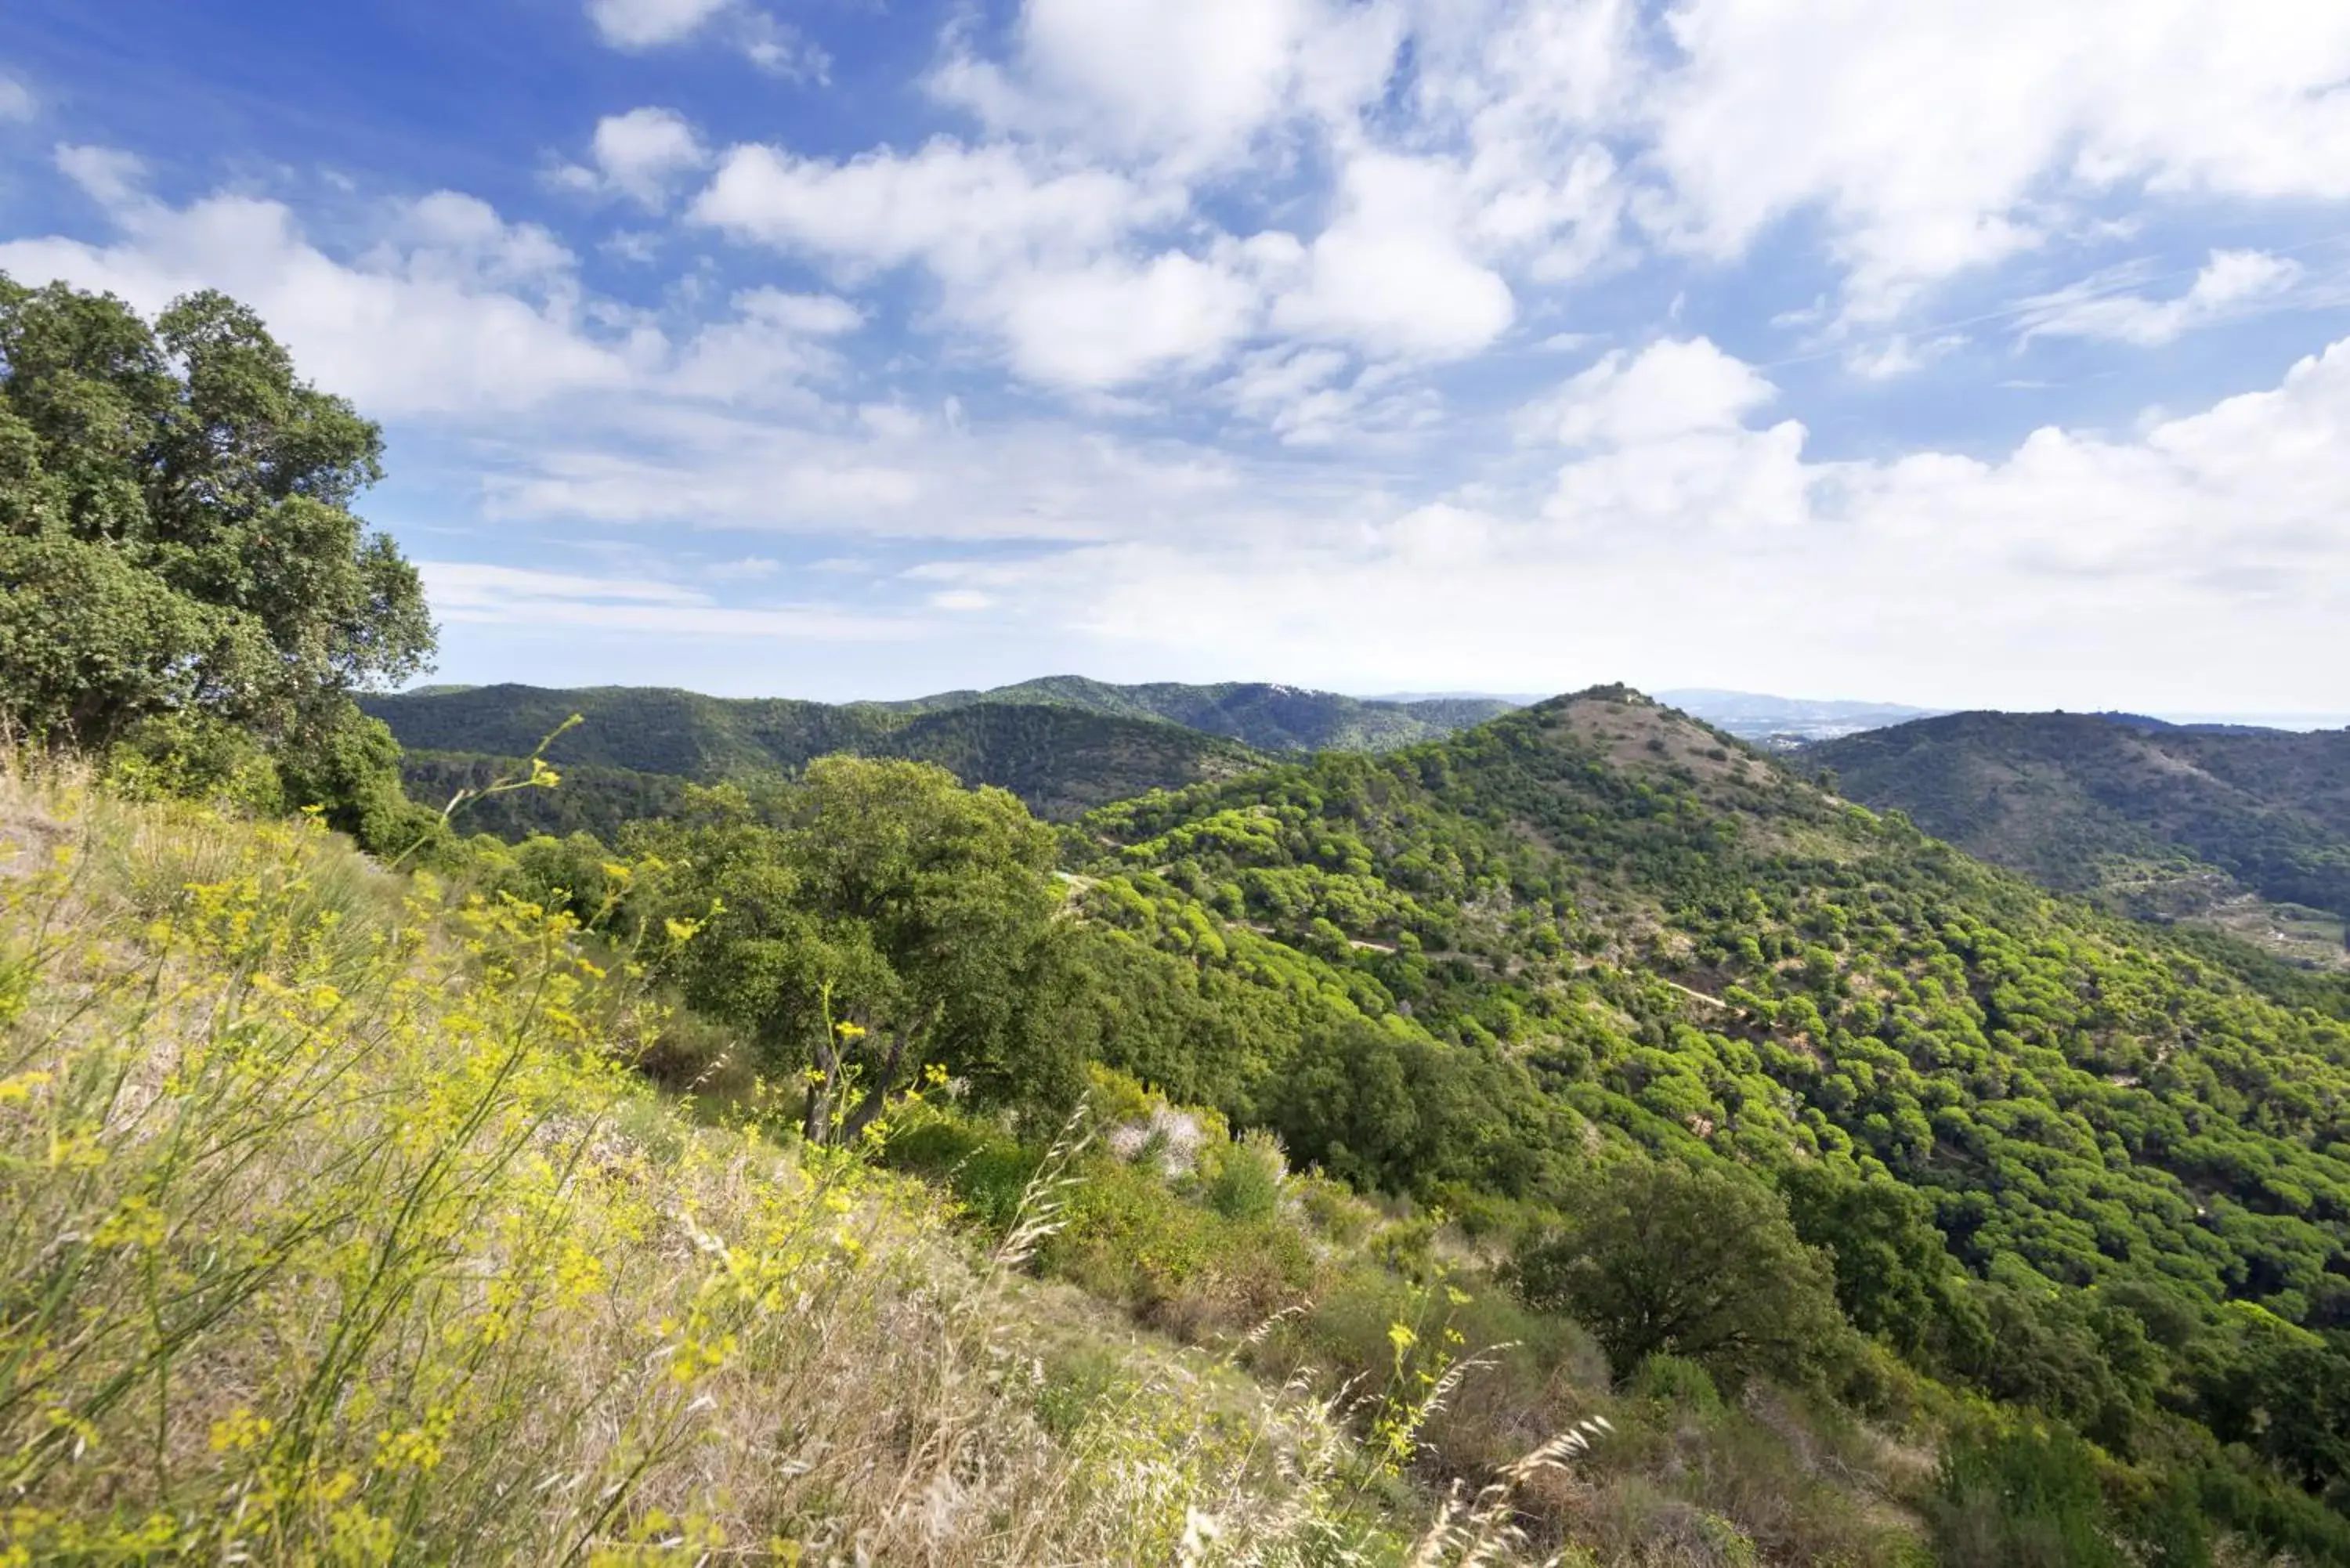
2242	829
1261	714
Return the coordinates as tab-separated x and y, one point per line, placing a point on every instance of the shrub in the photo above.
1699	1263
1243	1178
1673	1380
2020	1498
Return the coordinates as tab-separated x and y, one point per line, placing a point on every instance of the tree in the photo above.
1661	1257
1892	1274
870	920
176	537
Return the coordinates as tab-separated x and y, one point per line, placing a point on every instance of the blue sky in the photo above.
1961	352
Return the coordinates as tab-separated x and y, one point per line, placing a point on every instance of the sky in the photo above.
1955	352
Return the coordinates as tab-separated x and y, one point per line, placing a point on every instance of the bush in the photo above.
1672	1380
2021	1500
1243	1178
1698	1263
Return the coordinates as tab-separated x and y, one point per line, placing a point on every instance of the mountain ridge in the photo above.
2245	828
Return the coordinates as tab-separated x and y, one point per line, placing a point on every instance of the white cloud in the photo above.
475	594
640	155
107	175
962	209
1668	389
2202	563
16	99
2230	283
1940	135
1390	272
775	341
454	311
1039	258
637	26
1192	84
646	24
1114	322
458	588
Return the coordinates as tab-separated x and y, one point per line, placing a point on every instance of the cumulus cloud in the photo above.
2231	283
1670	389
1190	85
775	340
2197	563
455	310
640	155
637	26
951	206
1390	272
16	100
1041	259
1943	135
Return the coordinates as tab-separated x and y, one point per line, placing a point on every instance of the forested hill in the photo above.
1595	914
638	746
1064	743
2242	827
1269	717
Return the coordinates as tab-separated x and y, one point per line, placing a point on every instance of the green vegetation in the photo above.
1266	717
342	1231
639	746
2247	830
182	578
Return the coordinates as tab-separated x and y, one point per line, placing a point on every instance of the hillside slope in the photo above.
1269	717
1060	760
1698	947
2247	829
339	1232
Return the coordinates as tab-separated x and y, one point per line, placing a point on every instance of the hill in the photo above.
637	742
2053	1158
2242	829
1271	717
347	1218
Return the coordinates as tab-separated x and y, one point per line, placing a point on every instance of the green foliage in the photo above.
1674	1380
869	922
1242	1178
638	746
1893	1276
177	548
1662	1259
1556	938
2021	1499
2157	820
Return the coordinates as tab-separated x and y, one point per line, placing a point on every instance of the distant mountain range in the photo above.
2231	825
1065	745
1780	724
2235	825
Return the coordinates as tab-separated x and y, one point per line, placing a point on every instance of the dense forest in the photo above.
1063	744
2245	829
1579	1129
1062	760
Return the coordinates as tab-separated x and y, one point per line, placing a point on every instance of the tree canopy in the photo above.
864	922
1663	1259
177	543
